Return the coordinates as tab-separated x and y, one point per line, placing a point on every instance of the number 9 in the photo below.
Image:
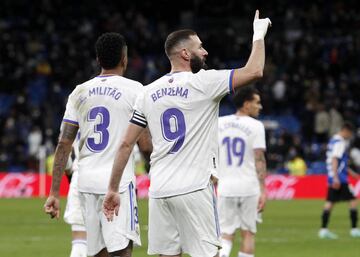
173	128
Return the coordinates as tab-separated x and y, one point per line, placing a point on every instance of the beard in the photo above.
196	64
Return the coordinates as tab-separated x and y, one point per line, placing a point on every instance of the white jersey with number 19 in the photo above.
238	137
101	107
181	110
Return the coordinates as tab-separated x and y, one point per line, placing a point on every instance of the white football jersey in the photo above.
101	107
181	110
238	137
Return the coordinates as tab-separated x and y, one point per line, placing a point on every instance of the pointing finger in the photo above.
256	15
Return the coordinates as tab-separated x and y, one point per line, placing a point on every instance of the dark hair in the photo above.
175	38
109	49
244	94
348	125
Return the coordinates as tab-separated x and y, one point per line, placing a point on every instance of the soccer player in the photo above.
72	214
338	187
242	171
181	111
100	108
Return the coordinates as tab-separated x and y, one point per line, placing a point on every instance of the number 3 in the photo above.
173	128
100	128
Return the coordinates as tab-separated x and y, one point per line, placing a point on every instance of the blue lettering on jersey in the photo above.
106	91
170	91
342	163
236	125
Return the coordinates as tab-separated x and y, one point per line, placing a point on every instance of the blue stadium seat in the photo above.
317	167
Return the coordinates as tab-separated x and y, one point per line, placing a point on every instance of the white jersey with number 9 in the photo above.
181	111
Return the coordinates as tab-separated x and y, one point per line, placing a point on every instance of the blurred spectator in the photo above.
355	154
296	164
336	121
312	58
34	141
322	123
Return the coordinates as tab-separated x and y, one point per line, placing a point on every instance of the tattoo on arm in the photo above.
260	164
63	149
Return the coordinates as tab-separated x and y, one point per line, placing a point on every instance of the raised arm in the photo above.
260	165
254	67
111	202
63	149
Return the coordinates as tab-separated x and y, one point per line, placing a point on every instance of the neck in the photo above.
342	135
241	112
176	67
117	71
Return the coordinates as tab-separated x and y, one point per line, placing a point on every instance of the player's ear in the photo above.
124	58
247	105
124	61
185	54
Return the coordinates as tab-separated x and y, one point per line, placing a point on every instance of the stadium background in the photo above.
311	85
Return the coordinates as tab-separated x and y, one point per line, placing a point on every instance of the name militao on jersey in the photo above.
101	107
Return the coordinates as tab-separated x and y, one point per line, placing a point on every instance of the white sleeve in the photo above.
338	149
259	141
138	116
70	116
216	83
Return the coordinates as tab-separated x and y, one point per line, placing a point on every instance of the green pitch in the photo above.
289	229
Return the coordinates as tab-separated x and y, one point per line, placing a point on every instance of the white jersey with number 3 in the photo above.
181	111
238	137
101	107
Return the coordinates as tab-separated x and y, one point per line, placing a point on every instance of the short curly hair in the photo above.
109	49
243	95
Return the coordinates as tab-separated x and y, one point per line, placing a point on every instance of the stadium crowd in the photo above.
311	82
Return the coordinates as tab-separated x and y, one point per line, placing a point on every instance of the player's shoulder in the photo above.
203	72
252	122
131	82
158	83
80	87
226	118
211	74
336	139
257	123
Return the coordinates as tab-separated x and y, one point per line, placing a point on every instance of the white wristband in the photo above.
260	28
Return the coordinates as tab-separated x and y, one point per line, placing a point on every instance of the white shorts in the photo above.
238	212
184	224
114	235
73	214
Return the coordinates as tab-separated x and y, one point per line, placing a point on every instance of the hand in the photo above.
111	205
260	26
52	207
262	201
336	183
